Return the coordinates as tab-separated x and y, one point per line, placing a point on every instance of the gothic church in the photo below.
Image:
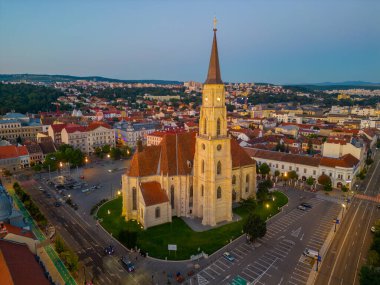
193	175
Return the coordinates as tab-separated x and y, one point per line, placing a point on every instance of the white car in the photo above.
373	229
300	207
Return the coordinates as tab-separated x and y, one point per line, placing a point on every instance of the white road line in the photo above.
204	271
218	267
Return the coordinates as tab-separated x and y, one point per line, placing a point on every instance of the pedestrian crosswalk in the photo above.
202	280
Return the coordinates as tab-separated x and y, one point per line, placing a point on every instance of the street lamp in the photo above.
108	155
118	193
267	206
108	212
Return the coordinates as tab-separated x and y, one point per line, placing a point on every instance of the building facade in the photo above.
188	174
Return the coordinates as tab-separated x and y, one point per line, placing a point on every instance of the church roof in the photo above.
153	194
175	155
213	75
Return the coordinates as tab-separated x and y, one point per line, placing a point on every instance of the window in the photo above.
172	196
247	179
142	213
290	168
246	189
348	177
304	170
203	166
157	212
276	165
218	127
134	199
204	127
282	166
191	192
202	191
219	193
314	172
219	168
233	179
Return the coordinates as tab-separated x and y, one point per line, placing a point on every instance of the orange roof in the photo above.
72	128
346	161
19	231
57	128
22	266
153	194
96	125
12	151
171	157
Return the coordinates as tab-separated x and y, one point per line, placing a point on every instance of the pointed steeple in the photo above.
213	76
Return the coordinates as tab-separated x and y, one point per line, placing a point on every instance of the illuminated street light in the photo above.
109	212
86	159
108	155
69	195
60	164
118	193
267	206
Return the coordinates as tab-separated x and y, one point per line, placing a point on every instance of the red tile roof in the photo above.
173	155
153	194
57	128
346	161
22	266
19	231
96	125
72	128
12	151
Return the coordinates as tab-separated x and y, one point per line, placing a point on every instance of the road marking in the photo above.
202	280
228	276
341	247
279	283
296	232
302	237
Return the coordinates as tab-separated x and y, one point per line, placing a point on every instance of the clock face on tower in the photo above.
219	147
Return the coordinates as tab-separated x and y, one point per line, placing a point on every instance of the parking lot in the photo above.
275	258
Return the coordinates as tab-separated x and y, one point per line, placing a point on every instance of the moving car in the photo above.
109	250
373	229
307	205
228	256
57	204
127	264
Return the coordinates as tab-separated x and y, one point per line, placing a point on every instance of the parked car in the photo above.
373	229
58	204
228	256
307	205
300	207
310	253
127	264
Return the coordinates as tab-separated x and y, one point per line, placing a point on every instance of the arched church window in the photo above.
191	191
202	190
203	166
172	196
204	127
233	179
134	198
157	212
218	127
247	178
219	168
219	193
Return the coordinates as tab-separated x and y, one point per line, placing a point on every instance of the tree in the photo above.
126	151
6	173
277	173
292	175
262	194
324	180
115	153
59	244
344	188
310	181
264	169
106	148
368	161
369	275
254	227
373	258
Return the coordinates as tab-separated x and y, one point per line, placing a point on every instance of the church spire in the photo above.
213	76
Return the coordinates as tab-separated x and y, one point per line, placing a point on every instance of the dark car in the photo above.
127	264
58	204
109	250
48	195
307	205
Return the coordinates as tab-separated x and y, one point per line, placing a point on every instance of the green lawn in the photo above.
155	240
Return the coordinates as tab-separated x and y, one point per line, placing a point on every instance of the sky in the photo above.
274	41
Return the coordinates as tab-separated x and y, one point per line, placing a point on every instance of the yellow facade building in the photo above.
188	174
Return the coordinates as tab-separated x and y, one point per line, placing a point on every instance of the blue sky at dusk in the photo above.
259	41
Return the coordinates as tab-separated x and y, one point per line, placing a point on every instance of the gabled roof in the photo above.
57	128
11	151
175	156
346	161
153	194
96	125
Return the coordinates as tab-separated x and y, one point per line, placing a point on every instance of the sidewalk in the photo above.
49	250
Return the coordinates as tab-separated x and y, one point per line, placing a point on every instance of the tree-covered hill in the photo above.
27	98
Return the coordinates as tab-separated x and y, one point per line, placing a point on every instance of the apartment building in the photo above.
15	125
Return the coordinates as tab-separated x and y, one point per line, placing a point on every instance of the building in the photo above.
97	134
342	170
15	126
194	176
13	157
54	132
129	133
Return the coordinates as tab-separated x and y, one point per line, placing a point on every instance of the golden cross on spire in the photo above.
215	22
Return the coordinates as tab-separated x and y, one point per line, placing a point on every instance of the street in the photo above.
348	251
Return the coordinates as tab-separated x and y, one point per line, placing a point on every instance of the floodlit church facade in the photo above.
188	174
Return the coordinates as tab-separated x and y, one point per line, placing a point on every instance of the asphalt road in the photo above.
277	258
349	248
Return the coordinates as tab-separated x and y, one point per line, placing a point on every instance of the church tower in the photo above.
212	160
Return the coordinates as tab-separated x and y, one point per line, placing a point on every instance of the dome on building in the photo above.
5	206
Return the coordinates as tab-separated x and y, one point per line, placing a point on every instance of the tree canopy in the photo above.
255	227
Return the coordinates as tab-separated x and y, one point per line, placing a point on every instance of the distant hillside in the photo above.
65	78
339	85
